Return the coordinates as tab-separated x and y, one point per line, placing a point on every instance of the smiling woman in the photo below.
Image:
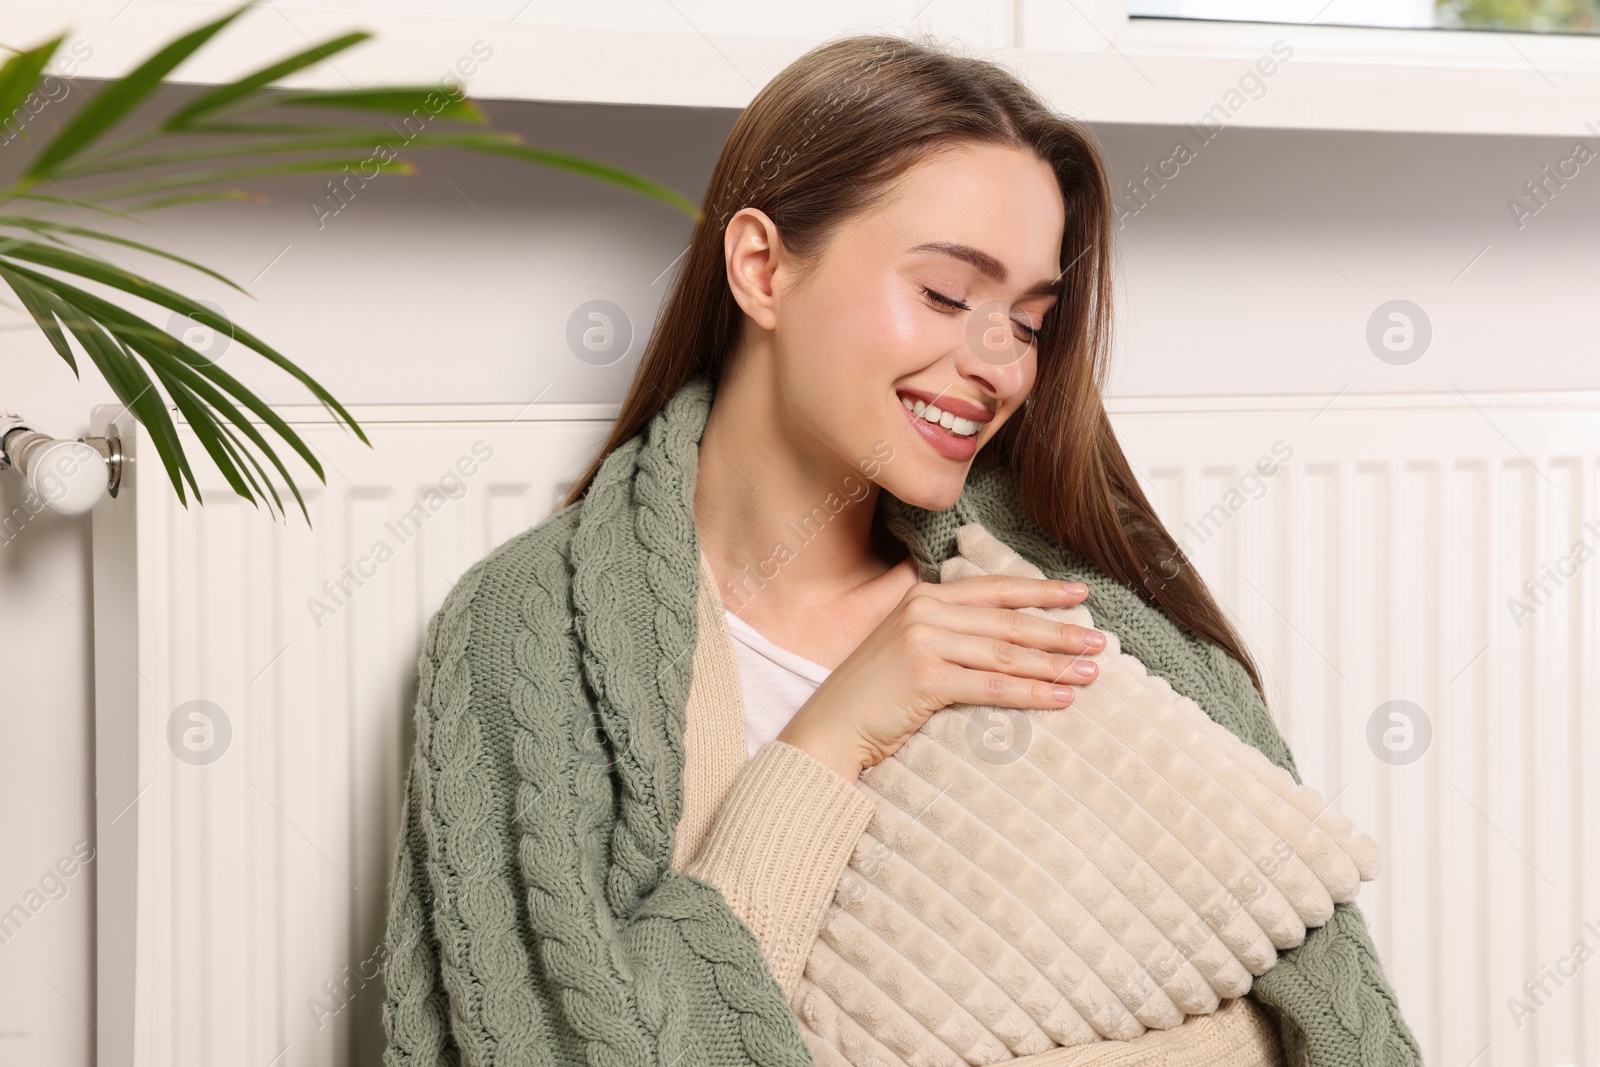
903	271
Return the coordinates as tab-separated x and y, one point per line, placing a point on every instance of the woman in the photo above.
892	319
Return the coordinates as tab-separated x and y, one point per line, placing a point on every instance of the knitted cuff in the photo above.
782	838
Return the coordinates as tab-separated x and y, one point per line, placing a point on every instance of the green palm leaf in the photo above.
20	74
108	274
114	101
134	388
402	100
368	139
38	304
138	359
594	169
307	166
47	227
194	198
248	86
176	359
135	330
65	201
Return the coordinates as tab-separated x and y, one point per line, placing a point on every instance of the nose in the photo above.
998	367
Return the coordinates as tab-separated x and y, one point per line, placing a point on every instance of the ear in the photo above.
753	252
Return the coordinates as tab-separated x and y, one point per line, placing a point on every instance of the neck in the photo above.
781	517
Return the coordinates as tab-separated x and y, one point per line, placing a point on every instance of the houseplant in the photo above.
43	257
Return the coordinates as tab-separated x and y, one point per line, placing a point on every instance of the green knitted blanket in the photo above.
534	916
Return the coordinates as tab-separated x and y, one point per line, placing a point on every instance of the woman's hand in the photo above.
945	643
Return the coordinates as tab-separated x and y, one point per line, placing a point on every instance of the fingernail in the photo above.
1074	588
1083	670
1094	638
1061	692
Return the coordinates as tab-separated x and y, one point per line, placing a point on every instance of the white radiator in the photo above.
242	878
241	901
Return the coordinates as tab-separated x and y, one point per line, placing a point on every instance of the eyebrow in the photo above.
988	265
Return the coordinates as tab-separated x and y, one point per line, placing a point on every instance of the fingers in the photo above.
1002	590
1020	660
993	689
1016	627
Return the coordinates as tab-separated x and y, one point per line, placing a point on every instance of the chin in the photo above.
931	493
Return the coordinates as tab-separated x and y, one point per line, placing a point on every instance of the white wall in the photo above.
1255	270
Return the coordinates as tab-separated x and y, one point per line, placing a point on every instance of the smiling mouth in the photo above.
953	425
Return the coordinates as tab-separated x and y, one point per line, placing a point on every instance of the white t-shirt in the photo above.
774	681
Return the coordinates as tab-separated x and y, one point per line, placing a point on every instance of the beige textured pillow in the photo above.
1041	878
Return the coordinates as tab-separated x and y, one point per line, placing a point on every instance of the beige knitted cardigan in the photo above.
774	833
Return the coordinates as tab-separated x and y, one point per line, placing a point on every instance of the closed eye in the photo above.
1033	335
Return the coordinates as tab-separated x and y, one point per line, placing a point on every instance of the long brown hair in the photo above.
824	140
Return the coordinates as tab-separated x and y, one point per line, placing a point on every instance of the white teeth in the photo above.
954	423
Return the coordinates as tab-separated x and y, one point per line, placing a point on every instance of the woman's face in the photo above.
873	324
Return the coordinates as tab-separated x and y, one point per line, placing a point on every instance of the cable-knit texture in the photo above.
534	915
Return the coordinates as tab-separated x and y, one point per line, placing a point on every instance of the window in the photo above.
1518	16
